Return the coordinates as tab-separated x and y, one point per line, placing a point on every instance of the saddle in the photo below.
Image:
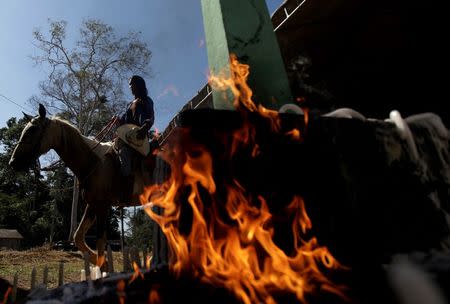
136	138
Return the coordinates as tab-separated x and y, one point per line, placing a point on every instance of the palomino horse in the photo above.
95	164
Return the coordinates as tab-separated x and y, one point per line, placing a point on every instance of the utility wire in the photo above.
13	102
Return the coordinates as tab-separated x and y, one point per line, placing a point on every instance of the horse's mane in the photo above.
62	122
73	134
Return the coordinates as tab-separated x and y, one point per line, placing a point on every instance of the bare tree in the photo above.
85	81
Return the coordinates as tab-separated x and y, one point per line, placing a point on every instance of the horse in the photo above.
95	164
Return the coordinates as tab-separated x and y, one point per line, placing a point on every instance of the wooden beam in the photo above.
244	28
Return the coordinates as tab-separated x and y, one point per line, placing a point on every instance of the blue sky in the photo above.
173	29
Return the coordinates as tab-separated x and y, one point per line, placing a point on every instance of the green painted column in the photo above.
244	27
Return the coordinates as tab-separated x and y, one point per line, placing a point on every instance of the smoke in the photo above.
170	89
412	285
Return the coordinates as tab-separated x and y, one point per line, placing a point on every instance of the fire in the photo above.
5	297
148	261
306	115
120	289
153	296
100	261
230	241
137	273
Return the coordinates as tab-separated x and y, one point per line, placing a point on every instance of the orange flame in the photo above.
148	261
120	289
295	134
306	115
153	296
137	273
100	260
5	297
238	253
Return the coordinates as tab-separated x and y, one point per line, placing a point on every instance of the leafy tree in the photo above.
25	202
60	183
140	231
10	181
85	82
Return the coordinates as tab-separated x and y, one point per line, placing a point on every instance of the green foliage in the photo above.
25	202
13	212
10	181
113	232
60	183
140	233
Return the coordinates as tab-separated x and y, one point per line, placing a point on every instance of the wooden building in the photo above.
10	238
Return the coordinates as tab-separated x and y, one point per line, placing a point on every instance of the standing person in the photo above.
140	113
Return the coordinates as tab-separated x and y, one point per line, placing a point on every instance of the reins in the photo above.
99	137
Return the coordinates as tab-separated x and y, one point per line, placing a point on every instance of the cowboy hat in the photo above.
130	134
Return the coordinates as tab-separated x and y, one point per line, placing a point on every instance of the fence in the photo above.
132	257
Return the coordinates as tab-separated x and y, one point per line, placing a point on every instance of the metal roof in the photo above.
10	234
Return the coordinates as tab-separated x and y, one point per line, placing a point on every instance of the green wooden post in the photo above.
244	27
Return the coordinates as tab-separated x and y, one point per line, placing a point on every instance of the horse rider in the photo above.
139	112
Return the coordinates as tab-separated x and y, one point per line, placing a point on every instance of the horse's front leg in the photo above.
87	221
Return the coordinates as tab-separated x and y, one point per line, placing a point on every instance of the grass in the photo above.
22	262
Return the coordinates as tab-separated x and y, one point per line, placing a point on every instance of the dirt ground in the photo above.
22	262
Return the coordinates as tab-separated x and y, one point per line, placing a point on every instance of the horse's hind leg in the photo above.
102	215
87	221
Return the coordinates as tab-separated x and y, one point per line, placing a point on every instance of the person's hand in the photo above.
152	133
146	125
141	132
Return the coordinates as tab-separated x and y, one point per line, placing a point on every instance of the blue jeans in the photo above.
126	157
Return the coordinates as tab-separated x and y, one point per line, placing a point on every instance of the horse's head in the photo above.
32	142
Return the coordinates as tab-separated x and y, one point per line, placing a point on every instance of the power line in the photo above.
19	105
